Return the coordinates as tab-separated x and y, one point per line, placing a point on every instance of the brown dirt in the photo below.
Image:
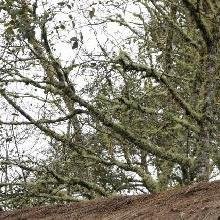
198	201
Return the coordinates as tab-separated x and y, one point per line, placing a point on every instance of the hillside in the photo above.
198	201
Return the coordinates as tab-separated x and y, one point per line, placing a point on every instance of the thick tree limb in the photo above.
199	22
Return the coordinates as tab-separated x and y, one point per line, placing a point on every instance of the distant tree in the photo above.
107	97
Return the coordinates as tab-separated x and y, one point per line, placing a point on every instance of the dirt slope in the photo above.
199	201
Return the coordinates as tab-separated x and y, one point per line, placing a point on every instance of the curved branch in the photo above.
141	143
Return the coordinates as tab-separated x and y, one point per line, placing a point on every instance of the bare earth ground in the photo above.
198	201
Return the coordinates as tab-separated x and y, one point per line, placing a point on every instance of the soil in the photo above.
198	201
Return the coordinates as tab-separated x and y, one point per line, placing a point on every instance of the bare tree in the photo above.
99	98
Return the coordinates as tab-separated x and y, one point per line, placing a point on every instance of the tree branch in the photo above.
199	22
141	143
